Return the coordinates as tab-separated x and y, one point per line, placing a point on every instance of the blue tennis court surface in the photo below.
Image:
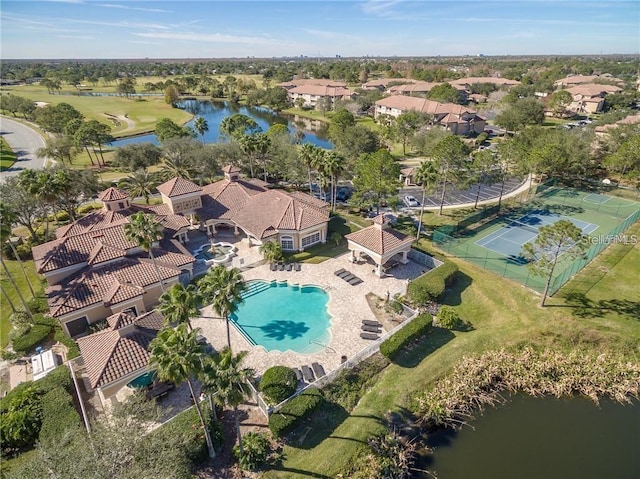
509	239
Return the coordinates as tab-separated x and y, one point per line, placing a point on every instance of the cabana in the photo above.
380	242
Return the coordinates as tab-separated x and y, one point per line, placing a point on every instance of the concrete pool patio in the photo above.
347	306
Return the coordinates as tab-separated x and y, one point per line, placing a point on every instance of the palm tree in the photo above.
247	144
229	381
271	251
333	167
140	183
43	185
177	357
223	287
179	304
426	175
7	218
201	126
307	153
144	230
15	286
177	166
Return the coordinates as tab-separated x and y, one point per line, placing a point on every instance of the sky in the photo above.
78	29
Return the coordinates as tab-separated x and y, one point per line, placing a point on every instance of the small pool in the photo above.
282	317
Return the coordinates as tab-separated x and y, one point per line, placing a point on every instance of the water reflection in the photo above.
310	131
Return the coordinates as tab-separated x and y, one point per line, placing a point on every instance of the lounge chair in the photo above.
318	370
297	266
367	322
371	329
289	266
273	266
370	336
354	281
298	373
307	374
340	272
349	277
280	266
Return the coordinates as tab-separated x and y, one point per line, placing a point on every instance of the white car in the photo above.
410	201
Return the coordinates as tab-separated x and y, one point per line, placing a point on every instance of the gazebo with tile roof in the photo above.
380	242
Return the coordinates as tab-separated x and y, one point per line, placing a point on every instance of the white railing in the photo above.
360	356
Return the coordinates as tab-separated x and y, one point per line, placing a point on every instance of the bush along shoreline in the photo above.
478	381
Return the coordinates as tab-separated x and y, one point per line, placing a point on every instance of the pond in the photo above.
533	438
314	131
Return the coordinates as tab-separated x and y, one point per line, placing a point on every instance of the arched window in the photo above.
287	243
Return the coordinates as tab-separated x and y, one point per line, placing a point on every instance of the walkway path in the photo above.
25	142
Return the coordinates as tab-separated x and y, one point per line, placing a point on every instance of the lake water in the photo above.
542	438
314	131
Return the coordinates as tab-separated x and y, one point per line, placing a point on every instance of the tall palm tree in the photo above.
140	183
177	166
426	176
6	296
15	286
7	218
333	165
201	126
229	381
177	356
262	143
247	144
43	185
223	287
179	304
306	153
144	230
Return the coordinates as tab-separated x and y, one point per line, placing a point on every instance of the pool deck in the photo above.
347	306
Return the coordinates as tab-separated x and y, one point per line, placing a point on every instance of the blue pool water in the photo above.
281	317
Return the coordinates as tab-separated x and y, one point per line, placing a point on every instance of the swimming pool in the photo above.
281	317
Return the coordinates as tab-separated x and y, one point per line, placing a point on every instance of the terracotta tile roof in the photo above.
416	87
580	79
112	194
278	211
110	284
380	240
110	355
230	169
593	89
178	187
383	82
438	110
321	90
223	198
169	258
99	237
312	81
120	320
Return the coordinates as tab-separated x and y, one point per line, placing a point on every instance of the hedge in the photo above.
28	342
278	383
58	414
430	286
418	327
294	412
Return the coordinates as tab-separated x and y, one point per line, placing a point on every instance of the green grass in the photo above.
145	113
16	274
503	314
7	156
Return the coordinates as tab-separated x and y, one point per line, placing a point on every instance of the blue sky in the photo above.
268	28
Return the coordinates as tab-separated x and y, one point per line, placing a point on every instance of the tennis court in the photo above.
496	244
508	240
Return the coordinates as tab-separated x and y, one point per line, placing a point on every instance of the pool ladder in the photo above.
319	343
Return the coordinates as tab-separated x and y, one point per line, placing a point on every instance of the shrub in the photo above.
481	138
38	305
419	326
256	449
36	336
20	416
188	428
395	306
61	337
58	414
278	383
84	209
448	318
294	412
20	318
24	251
430	286
62	216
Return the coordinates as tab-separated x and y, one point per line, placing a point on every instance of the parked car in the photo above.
343	194
410	201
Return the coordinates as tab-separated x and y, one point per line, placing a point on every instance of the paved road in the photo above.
25	142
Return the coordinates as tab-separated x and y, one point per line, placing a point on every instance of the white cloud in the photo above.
205	37
127	7
380	8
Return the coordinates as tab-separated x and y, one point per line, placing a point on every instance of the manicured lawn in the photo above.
7	156
144	113
16	274
503	313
